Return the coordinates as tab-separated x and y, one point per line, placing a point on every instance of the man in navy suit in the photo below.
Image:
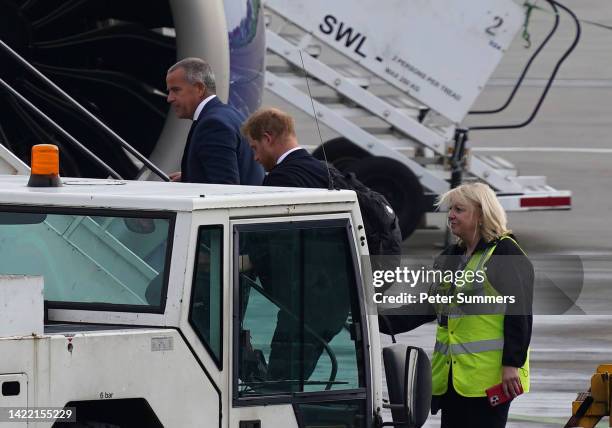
216	151
271	135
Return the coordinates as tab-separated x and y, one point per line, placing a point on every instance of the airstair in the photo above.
378	118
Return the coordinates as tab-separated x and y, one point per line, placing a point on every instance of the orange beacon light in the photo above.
45	166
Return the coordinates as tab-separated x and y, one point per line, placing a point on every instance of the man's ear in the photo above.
267	138
201	88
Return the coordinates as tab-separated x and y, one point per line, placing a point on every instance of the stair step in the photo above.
533	183
350	112
503	163
297	78
396	142
401	102
499	163
328	100
312	48
350	70
281	69
353	74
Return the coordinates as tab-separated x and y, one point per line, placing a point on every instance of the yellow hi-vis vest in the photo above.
471	344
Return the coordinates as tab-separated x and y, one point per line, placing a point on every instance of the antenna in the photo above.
314	113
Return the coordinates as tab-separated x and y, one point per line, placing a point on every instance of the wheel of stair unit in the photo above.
112	57
398	184
340	152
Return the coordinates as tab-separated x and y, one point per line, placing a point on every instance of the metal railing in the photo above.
82	110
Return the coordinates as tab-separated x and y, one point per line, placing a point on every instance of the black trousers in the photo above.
464	412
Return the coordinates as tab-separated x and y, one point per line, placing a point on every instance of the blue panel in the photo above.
247	52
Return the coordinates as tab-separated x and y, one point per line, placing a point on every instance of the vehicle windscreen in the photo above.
90	260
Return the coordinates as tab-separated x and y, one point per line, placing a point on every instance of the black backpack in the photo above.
380	221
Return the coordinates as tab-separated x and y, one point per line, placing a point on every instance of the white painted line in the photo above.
559	83
587	252
543	149
586	150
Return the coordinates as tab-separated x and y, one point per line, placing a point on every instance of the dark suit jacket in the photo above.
298	169
216	152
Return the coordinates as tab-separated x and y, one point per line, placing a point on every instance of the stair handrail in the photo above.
83	110
61	130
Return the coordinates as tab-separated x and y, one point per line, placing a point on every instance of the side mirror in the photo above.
408	373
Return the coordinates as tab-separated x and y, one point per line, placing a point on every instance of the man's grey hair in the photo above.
197	70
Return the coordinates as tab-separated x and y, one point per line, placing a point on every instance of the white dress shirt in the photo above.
287	153
200	107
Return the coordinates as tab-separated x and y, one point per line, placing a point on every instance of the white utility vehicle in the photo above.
185	305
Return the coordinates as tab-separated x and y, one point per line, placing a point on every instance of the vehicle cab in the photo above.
192	305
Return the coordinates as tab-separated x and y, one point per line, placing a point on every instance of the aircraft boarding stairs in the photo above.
384	121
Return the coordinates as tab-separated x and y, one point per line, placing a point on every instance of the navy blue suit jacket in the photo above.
298	169
216	152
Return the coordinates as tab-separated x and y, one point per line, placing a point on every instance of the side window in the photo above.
298	328
205	314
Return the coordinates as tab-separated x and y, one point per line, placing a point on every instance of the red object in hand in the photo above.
496	395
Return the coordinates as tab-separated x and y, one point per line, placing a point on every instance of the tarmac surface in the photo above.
569	142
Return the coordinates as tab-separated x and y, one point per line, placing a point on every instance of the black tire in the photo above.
398	184
341	153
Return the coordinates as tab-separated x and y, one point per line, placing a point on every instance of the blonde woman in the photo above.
477	346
